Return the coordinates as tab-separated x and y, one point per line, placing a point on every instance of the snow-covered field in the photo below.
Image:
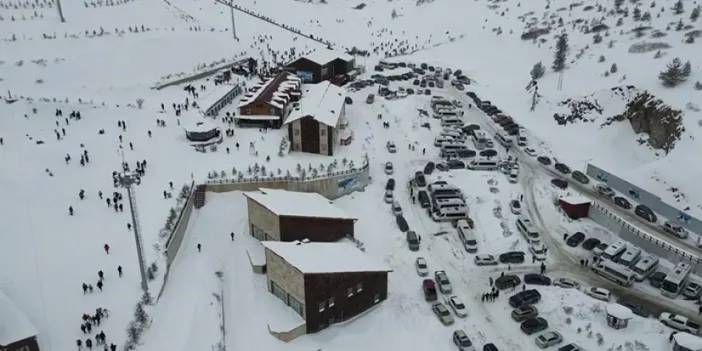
104	59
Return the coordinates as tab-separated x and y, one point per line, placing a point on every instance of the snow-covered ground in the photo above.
104	58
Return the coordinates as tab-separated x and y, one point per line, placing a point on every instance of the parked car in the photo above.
636	308
455	164
524	312
692	291
423	198
674	229
679	322
559	183
529	151
391	147
429	168
536	279
388	168
599	293
429	289
526	297
599	249
575	239
422	266
390	184
538	251
580	177
646	213
490	347
533	325
507	281
457	306
512	257
442	313
570	347
396	208
443	281
388	196
656	279
461	340
548	339
561	167
604	190
413	240
566	283
622	202
515	206
370	98
484	260
401	223
546	161
419	179
590	243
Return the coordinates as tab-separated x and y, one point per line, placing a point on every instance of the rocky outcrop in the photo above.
582	110
650	115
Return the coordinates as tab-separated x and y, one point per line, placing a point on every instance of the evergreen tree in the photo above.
673	74
618	4
613	69
678	7
695	14
561	51
537	71
687	69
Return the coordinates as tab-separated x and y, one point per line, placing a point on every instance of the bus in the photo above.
675	281
614	272
614	251
480	139
528	230
645	267
630	256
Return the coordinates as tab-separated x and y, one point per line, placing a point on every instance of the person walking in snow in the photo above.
199	247
89	343
101	275
90	289
119	271
70	210
107	249
99	284
85	288
232	235
79	343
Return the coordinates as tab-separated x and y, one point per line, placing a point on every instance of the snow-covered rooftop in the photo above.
196	124
14	324
281	84
619	311
324	56
214	94
322	101
297	204
575	199
689	341
316	257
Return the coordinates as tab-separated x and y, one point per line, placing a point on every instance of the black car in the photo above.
559	183
424	199
590	243
512	257
390	185
507	281
429	168
656	279
581	177
622	202
427	91
455	164
415	82
526	297
536	279
490	347
488	153
544	160
533	325
402	223
443	167
645	213
470	128
561	167
419	179
636	308
471	94
465	153
575	239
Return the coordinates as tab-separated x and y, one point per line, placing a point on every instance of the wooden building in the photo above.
325	283
268	103
16	331
287	215
575	206
322	65
315	121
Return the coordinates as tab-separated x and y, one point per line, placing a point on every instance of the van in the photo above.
480	139
452	149
429	288
446	203
413	240
630	256
614	251
424	199
451	214
451	121
465	234
483	165
447	193
528	230
443	139
452	132
503	140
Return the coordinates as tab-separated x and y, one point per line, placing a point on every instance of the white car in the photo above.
485	260
529	151
679	322
599	293
422	267
548	339
388	196
566	283
388	168
457	306
675	229
513	176
604	190
515	206
538	249
396	209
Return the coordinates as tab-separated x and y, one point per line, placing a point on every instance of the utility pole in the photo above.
58	6
126	180
231	9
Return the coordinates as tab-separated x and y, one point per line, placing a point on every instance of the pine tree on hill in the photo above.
561	51
673	74
537	71
678	7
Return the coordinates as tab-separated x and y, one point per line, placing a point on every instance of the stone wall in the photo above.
285	276
263	219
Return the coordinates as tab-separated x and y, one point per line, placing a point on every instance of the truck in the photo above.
679	322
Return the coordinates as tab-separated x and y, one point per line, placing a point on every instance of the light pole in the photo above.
60	12
231	9
127	179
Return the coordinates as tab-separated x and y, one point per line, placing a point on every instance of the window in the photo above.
322	306
376	298
349	292
359	288
323	132
296	132
330	302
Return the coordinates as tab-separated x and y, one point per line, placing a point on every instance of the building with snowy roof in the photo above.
200	130
322	65
214	100
575	206
325	283
288	215
17	333
267	103
314	123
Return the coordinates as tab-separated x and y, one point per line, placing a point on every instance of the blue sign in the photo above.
306	76
349	183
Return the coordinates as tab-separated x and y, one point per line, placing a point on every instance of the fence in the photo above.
176	236
199	75
645	241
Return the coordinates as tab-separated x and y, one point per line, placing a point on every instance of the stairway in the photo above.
200	195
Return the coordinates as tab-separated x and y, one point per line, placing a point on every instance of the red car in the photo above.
429	288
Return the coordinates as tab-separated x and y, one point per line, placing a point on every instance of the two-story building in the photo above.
268	103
